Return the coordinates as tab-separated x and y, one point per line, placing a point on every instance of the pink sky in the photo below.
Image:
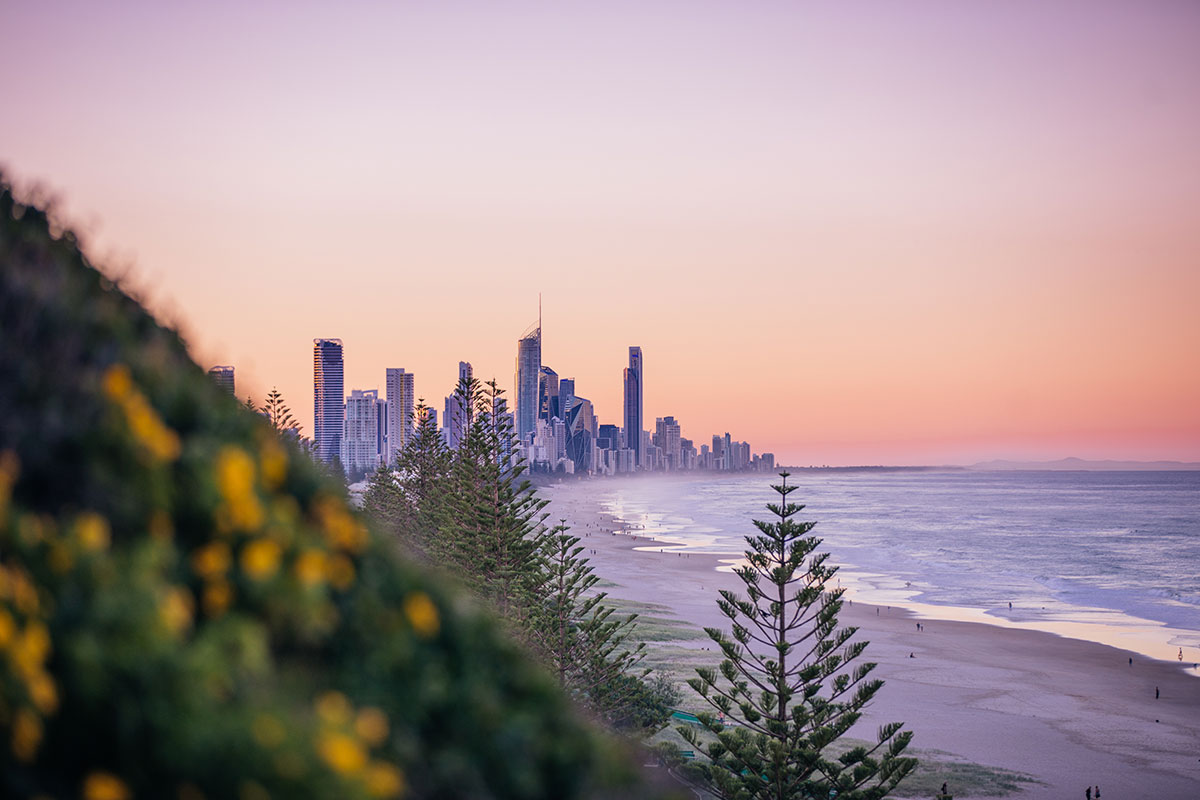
848	232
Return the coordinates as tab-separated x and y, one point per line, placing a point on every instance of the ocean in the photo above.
1112	557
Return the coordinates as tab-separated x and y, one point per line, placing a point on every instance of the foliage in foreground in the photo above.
188	608
787	682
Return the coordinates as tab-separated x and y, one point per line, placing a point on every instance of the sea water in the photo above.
1112	557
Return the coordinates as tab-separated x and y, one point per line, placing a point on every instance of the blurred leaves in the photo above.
182	592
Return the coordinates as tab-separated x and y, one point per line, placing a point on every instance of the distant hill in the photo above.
1083	464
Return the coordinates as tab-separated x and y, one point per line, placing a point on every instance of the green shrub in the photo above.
188	608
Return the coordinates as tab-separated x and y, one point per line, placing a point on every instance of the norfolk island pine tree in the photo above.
787	681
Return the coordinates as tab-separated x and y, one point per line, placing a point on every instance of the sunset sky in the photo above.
862	232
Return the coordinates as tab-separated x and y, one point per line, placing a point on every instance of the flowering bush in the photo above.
188	608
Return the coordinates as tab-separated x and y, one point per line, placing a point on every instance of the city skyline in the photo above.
565	435
938	234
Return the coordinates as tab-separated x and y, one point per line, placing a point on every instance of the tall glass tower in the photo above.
328	398
454	422
400	392
529	371
633	404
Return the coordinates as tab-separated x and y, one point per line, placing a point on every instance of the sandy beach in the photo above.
1070	713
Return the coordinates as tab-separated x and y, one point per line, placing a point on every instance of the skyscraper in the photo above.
529	370
548	394
400	411
360	440
566	398
633	404
223	376
453	418
328	395
666	431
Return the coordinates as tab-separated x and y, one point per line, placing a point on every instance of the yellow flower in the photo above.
274	464
268	731
340	570
310	567
31	648
92	531
26	734
43	693
8	628
422	614
176	609
149	429
145	425
342	753
371	725
235	481
212	560
117	382
342	530
333	708
383	780
235	473
105	786
217	597
24	594
260	558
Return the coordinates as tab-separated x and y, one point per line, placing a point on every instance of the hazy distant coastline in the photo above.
1083	464
999	465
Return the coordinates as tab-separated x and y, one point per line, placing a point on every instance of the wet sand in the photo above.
1069	712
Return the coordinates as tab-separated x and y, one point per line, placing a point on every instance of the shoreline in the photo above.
1070	712
1149	638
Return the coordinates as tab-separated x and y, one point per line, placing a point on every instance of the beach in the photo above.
1066	712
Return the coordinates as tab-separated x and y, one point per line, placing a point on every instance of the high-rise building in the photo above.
548	394
381	408
566	397
453	417
581	430
328	396
633	403
223	376
609	437
400	394
666	431
529	370
506	457
360	438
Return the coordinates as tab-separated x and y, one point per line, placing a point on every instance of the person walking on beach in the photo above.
1088	793
1155	692
1096	794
